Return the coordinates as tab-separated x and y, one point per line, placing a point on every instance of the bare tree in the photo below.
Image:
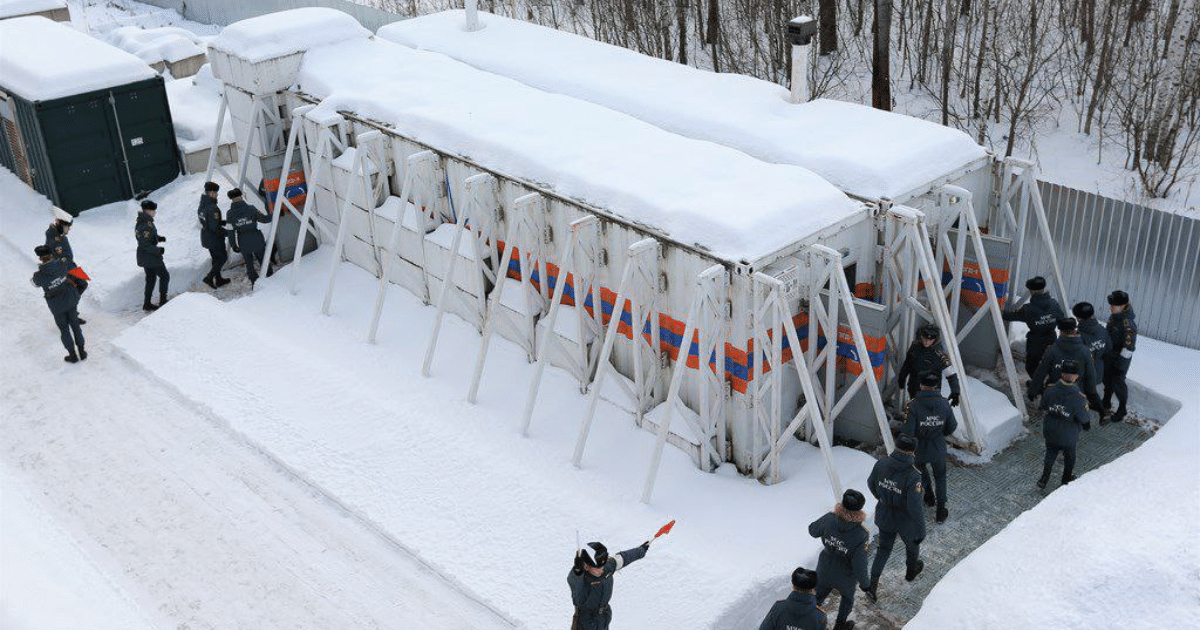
881	72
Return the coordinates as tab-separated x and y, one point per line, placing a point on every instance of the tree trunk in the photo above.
681	14
881	75
948	57
827	21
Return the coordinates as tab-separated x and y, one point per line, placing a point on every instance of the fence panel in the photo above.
1106	244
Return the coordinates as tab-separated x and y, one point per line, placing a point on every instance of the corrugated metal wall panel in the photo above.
1105	244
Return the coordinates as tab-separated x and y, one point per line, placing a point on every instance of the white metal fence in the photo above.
1106	244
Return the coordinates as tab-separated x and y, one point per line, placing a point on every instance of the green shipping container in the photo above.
92	148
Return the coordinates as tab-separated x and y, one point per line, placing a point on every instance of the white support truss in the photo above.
639	287
1018	185
912	284
525	236
826	271
418	191
771	313
316	171
955	255
369	158
583	230
259	140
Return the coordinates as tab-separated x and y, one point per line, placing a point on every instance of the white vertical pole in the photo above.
394	242
358	169
293	140
216	141
460	226
565	267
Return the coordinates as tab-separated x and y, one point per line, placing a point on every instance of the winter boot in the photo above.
845	625
210	281
873	591
942	514
913	571
82	354
82	321
930	500
1068	477
222	281
147	306
1041	483
1107	402
71	358
1118	415
162	299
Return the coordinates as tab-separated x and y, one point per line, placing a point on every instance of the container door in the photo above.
148	137
84	152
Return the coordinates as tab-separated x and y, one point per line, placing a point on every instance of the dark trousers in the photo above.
251	255
1035	349
887	540
1115	368
939	476
219	255
586	619
844	607
68	327
1052	456
160	274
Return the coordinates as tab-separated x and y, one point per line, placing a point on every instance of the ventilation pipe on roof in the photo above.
472	15
800	31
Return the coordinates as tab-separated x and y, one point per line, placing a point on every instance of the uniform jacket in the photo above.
149	254
930	420
1066	413
843	561
61	296
590	593
1068	347
212	229
58	242
1041	313
243	217
920	360
798	612
897	485
1122	332
1095	337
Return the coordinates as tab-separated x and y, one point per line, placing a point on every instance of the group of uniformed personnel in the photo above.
239	227
60	287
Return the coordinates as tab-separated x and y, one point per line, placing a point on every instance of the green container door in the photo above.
144	119
84	152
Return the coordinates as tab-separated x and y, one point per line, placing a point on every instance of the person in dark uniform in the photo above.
57	241
150	255
212	234
62	297
1040	313
843	562
1066	413
1068	347
930	420
247	239
926	355
799	611
1122	341
591	582
1094	336
897	485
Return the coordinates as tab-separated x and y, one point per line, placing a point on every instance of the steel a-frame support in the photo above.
259	141
1019	186
638	287
329	139
421	177
912	283
369	159
955	255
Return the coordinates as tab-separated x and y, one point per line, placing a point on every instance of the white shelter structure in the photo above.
881	157
595	241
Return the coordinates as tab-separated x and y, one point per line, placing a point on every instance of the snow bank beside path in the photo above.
1115	549
456	483
103	241
47	581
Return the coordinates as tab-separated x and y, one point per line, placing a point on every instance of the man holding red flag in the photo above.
591	581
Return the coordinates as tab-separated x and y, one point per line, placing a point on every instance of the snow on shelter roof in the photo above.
866	152
41	60
9	8
696	192
286	32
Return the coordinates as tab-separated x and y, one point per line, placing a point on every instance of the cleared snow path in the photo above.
197	528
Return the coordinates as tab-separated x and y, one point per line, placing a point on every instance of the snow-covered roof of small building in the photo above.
152	45
41	60
697	193
286	32
866	152
10	8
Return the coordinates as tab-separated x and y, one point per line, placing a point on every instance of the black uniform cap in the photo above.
1067	324
149	205
1083	310
906	442
234	193
853	500
1070	367
803	579
1118	298
211	187
1036	283
601	555
42	251
931	379
929	331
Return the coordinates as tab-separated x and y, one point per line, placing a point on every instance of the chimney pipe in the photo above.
800	31
472	15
